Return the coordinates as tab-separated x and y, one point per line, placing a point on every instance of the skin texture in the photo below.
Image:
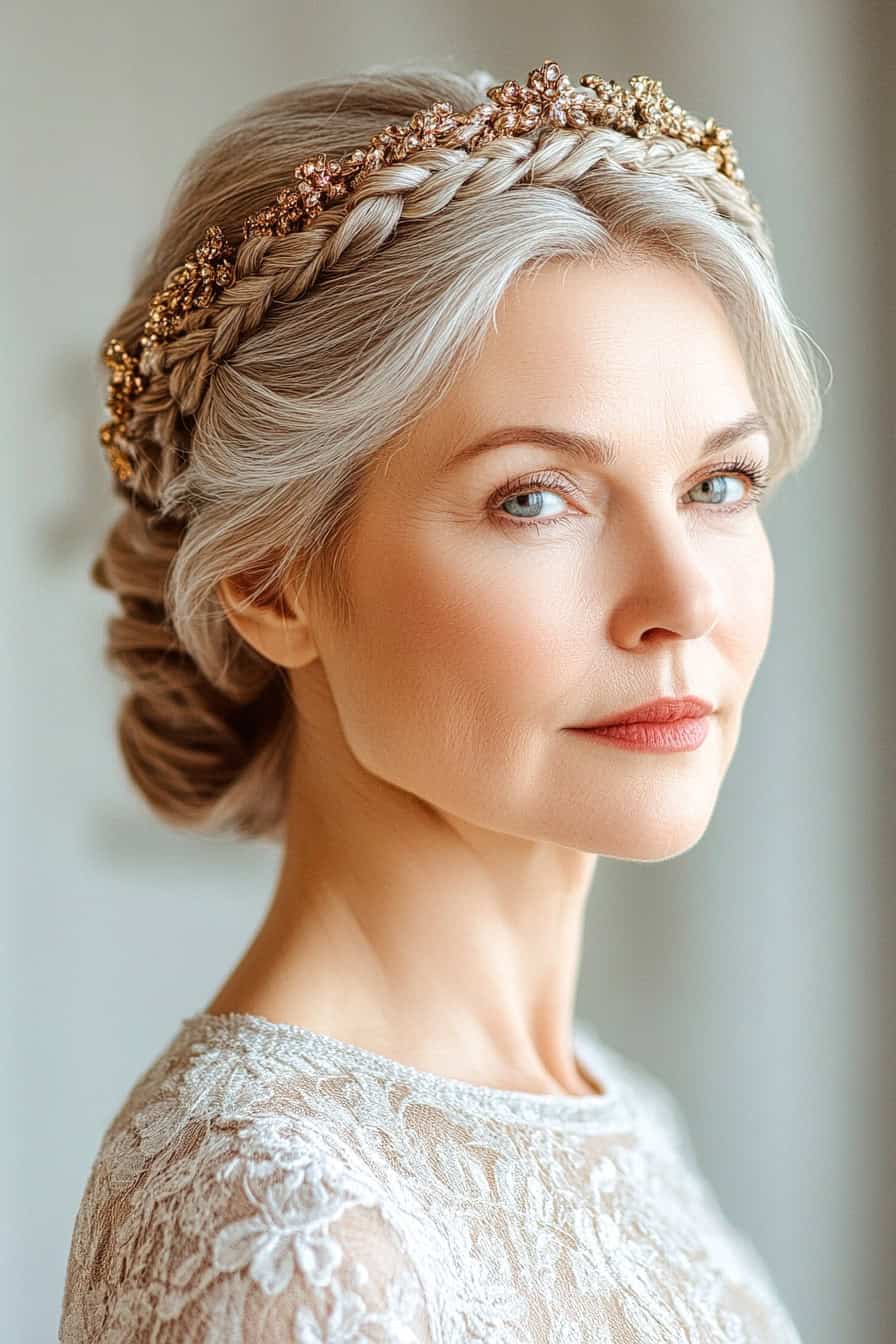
444	824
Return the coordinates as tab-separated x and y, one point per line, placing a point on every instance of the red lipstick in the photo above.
658	725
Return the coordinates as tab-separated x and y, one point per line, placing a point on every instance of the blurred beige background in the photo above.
754	974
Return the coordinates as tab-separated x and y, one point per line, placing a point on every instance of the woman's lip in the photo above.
682	734
665	710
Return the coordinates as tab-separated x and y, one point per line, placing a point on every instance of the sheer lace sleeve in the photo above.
237	1234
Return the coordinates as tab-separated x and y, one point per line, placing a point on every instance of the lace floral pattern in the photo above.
266	1184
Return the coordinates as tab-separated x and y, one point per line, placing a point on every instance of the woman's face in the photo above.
493	613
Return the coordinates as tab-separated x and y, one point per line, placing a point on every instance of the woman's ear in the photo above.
278	628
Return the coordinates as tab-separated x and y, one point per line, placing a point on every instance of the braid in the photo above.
285	269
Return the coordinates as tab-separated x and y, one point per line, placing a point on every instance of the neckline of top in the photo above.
595	1059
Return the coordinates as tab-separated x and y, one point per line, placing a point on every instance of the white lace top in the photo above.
265	1183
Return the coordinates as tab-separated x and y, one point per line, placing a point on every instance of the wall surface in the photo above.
754	973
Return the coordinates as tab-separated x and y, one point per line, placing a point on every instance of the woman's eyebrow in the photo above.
600	449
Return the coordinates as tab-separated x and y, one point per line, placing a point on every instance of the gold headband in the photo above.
547	99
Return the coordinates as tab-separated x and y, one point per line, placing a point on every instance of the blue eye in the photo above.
531	499
531	491
714	497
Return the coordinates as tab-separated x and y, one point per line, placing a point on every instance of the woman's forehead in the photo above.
624	357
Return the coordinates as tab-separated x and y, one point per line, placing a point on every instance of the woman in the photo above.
435	470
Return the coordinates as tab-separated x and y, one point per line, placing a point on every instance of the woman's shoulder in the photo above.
230	1095
227	1200
655	1107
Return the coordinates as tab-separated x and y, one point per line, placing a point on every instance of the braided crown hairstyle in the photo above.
260	419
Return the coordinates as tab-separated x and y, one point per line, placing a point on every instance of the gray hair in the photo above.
262	419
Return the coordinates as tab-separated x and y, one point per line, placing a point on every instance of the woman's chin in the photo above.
649	843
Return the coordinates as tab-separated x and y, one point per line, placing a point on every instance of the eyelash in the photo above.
755	471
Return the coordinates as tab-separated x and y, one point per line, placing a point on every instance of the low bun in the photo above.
204	756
